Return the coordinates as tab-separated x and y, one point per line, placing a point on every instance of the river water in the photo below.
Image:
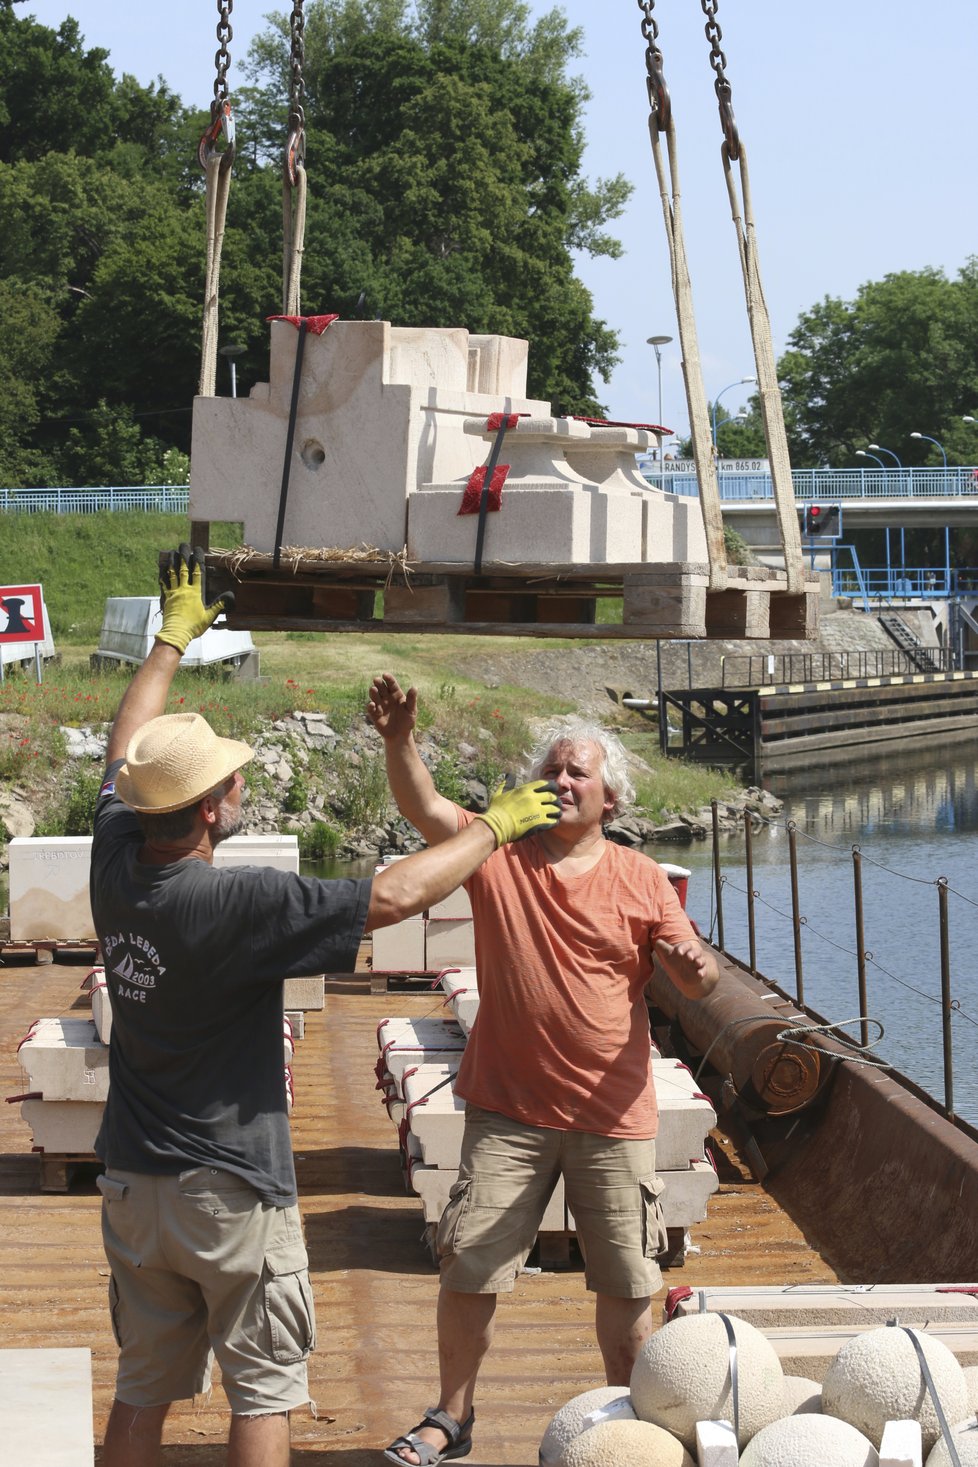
913	815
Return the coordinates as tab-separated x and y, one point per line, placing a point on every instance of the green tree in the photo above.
901	357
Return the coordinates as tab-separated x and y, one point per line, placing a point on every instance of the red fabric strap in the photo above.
495	421
473	489
675	1297
615	423
315	325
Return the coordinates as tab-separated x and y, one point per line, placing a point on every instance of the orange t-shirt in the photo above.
562	1034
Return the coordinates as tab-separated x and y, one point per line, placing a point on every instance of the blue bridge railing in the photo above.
158	498
820	486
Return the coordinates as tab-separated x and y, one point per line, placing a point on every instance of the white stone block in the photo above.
380	410
66	1127
435	1114
101	1007
462	994
400	948
130	624
49	888
716	1444
824	1306
686	1117
298	1021
685	1194
902	1444
46	1408
64	1059
304	994
278	851
456	904
449	942
410	1042
49	880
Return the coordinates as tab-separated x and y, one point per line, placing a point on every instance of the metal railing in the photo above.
157	498
757	670
821	486
863	956
903	583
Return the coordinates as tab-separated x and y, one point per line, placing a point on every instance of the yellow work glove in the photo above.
514	813
181	599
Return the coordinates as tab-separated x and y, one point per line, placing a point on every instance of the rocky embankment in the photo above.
305	773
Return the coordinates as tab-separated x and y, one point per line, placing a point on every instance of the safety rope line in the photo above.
217	184
952	1450
661	121
769	392
294	172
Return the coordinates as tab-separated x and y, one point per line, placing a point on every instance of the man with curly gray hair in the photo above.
557	1073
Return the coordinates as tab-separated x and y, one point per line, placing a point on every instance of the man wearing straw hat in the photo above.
200	1214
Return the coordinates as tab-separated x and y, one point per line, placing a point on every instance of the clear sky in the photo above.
859	125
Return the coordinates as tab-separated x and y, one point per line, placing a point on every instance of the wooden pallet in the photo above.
48	950
310	591
60	1168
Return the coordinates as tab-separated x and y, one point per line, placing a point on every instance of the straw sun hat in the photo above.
174	761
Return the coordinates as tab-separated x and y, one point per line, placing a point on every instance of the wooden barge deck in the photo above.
375	1363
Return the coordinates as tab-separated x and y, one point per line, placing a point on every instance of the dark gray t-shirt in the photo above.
194	962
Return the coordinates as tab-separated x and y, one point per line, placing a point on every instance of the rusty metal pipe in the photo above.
737	1029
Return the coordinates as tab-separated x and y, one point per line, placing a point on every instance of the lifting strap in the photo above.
294	173
217	174
660	121
742	213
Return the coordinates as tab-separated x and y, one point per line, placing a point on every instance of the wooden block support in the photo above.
794	617
671	601
439	603
738	613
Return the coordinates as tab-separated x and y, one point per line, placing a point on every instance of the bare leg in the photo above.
259	1441
133	1435
464	1337
622	1327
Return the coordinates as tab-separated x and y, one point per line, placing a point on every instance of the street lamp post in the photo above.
739	382
880	449
230	352
657	343
861	453
947	528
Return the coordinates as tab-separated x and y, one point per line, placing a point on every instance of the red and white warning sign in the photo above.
21	614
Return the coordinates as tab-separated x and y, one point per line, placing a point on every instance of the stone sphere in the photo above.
965	1438
801	1395
625	1444
971	1382
876	1378
568	1422
682	1375
800	1441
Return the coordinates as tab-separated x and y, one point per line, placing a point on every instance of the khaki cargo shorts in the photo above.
201	1267
508	1172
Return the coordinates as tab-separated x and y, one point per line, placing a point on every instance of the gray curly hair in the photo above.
574	730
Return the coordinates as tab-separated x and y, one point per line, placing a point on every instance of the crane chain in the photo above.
722	87
295	151
222	57
655	81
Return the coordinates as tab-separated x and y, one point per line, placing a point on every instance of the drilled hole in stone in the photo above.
313	454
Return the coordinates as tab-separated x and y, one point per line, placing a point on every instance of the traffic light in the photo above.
823	519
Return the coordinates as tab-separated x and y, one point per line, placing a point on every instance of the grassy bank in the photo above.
81	560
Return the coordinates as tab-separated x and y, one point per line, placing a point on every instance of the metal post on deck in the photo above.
946	1003
795	914
857	887
749	858
717	878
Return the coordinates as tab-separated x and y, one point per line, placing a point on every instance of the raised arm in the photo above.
689	966
184	617
393	714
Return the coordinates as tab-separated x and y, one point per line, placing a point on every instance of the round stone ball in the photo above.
801	1396
568	1422
682	1375
971	1382
625	1444
965	1438
876	1378
800	1441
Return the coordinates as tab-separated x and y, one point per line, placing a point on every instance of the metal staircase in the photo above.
924	658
